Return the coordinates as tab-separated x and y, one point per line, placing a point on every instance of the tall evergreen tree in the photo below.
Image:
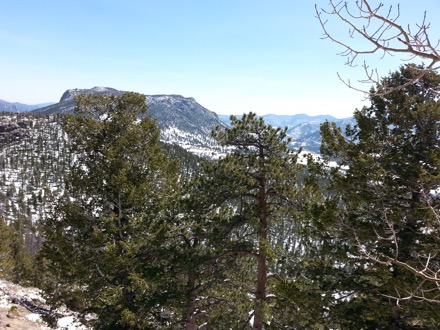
257	186
104	246
382	211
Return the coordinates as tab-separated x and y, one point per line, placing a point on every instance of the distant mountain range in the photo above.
303	129
20	107
185	122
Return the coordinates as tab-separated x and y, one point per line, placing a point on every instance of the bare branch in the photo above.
383	34
427	269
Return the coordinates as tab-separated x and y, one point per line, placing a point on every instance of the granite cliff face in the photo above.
71	93
67	102
169	110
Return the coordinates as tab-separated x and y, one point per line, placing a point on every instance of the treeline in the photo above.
263	238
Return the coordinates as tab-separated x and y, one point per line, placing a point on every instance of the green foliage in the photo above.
23	271
7	263
381	215
144	243
260	197
104	248
16	261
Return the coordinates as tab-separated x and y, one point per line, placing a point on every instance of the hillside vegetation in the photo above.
132	233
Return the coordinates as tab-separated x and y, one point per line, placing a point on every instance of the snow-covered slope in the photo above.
22	309
182	120
33	164
185	122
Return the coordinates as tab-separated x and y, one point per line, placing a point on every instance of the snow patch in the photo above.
34	317
70	323
11	293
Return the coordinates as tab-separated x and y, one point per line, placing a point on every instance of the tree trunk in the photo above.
260	294
191	303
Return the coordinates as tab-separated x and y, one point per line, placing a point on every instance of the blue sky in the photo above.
232	56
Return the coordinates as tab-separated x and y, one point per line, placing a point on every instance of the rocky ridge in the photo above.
185	122
182	120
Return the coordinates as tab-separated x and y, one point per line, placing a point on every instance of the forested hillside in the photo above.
132	233
33	164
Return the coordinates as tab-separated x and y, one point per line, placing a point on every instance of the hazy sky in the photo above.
232	56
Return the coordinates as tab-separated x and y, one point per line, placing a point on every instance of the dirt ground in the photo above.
19	318
14	314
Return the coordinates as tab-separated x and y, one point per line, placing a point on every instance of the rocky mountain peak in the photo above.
182	120
71	93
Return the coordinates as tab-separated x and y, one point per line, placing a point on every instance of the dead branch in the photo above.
424	267
384	35
427	271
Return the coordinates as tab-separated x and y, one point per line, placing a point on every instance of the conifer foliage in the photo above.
259	182
102	250
7	263
383	207
259	238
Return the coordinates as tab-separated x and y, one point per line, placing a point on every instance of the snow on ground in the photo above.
21	308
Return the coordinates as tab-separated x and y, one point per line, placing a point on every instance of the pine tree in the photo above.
382	215
7	263
104	247
201	260
258	187
23	260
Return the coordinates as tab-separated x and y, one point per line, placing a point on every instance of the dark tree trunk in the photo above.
260	294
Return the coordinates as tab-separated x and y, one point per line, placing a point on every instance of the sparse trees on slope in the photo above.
383	208
103	251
